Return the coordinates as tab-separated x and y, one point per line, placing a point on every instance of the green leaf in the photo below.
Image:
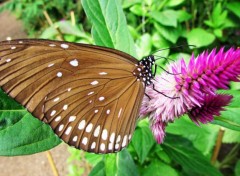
198	135
144	45
169	33
218	33
184	153
166	17
98	170
173	3
182	16
158	168
217	18
231	136
160	42
138	10
235	85
230	117
120	163
93	158
200	37
66	28
127	3
237	168
125	164
142	140
234	7
20	132
109	25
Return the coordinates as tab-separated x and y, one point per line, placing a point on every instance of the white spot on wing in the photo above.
90	93
93	145
52	45
124	143
94	83
108	111
97	131
59	74
89	127
72	118
81	124
75	139
102	147
69	89
74	63
129	137
112	137
116	146
50	65
67	132
85	140
65	46
8	60
102	73
101	98
118	139
53	113
110	146
13	47
96	111
60	127
56	99
104	134
65	107
119	113
58	118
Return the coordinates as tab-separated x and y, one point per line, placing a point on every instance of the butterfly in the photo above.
89	95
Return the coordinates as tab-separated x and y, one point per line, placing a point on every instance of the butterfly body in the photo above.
89	95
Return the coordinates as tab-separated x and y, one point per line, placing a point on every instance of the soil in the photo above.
37	164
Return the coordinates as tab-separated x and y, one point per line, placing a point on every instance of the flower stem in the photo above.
217	145
60	35
53	165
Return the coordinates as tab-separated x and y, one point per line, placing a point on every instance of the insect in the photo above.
89	95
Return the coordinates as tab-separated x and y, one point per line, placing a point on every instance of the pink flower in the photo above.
211	106
192	88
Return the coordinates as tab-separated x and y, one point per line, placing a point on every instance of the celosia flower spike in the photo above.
196	88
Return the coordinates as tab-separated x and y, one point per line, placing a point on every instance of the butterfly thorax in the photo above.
143	70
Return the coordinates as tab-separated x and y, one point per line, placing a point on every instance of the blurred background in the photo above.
153	24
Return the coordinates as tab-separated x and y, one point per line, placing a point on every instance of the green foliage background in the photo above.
138	28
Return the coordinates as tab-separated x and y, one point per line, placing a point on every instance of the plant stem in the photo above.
73	20
60	36
52	164
217	145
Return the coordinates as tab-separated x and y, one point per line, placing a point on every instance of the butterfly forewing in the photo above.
87	94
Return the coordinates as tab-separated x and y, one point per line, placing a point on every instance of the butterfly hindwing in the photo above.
87	94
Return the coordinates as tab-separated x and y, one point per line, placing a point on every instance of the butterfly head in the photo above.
143	70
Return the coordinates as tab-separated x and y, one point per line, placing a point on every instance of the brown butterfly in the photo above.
89	95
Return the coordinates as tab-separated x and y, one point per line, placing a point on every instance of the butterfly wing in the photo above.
87	94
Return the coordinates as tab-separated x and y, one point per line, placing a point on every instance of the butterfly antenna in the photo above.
167	71
179	46
163	93
162	57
